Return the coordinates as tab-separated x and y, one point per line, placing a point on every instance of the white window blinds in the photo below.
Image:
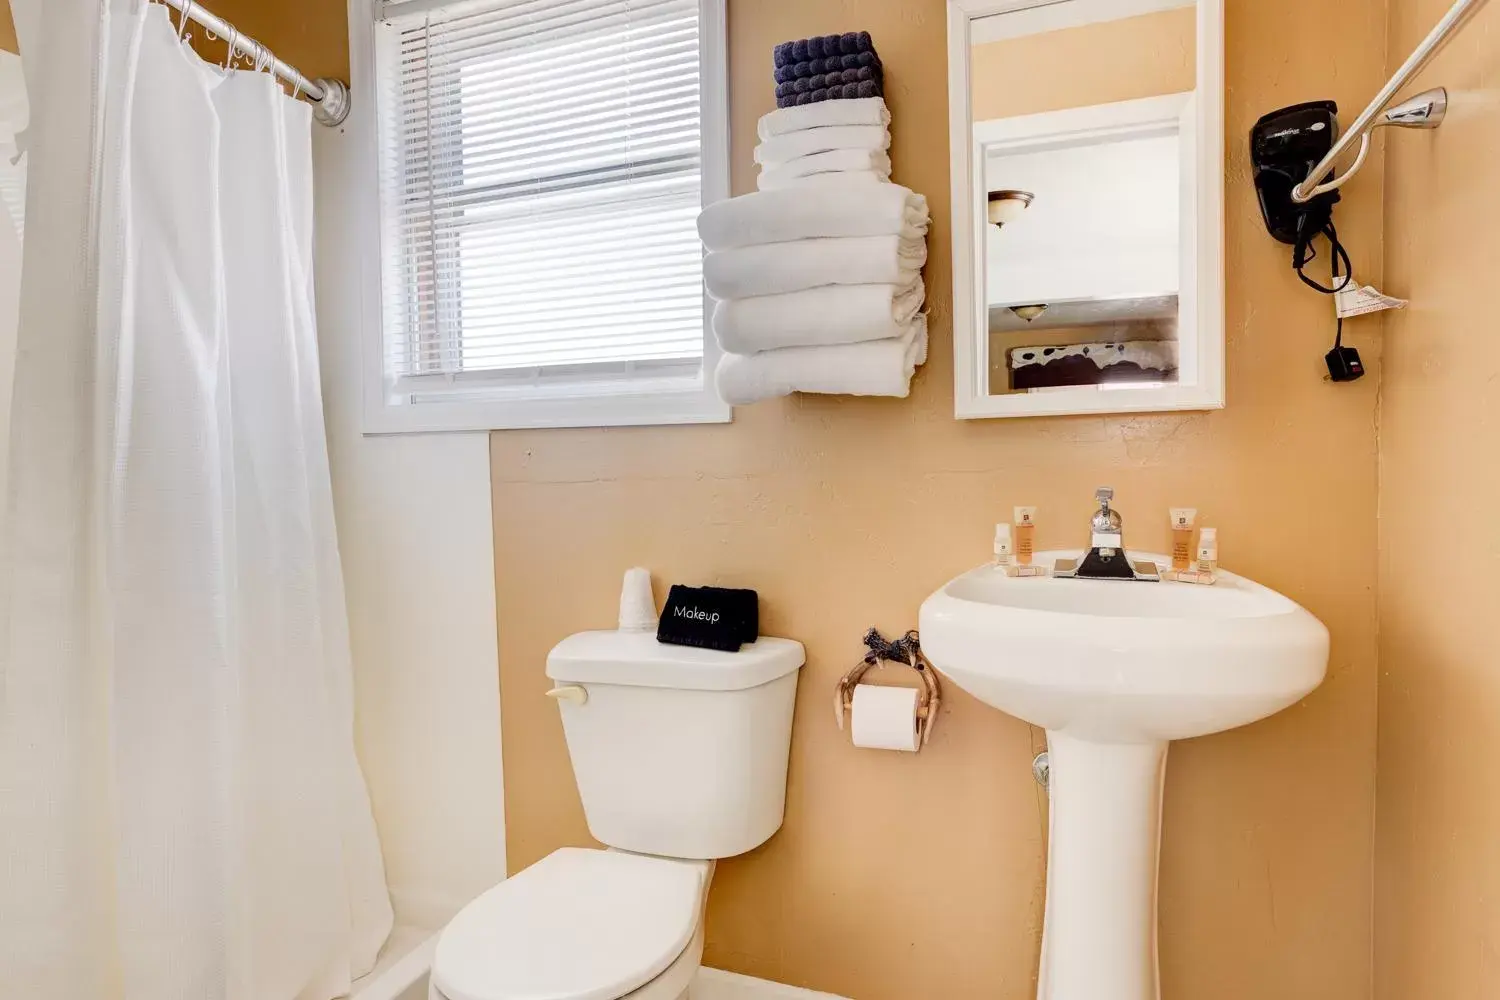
541	179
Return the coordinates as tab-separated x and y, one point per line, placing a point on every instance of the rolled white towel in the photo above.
864	164
774	268
814	210
861	111
832	314
781	148
874	368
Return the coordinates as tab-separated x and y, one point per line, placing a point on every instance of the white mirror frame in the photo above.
1205	391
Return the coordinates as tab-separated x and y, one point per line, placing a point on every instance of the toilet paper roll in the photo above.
885	718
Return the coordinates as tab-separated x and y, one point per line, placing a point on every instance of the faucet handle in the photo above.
1104	495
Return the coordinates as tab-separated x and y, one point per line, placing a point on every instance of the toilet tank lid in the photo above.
636	659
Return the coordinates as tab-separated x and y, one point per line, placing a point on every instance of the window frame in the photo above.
616	396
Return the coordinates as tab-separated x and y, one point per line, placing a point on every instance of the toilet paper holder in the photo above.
907	652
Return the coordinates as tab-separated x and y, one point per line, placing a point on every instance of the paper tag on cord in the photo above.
1360	300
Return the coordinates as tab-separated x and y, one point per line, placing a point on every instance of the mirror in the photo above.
1088	200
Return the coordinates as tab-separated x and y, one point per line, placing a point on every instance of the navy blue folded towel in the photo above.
848	92
826	81
822	47
830	64
828	68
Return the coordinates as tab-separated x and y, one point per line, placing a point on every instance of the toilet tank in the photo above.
677	751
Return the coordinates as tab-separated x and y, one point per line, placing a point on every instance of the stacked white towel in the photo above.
848	139
818	275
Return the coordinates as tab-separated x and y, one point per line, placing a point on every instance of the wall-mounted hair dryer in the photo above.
1285	146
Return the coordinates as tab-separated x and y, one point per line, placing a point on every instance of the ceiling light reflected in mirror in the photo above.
1008	206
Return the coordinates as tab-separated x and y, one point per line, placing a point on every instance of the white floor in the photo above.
713	984
401	974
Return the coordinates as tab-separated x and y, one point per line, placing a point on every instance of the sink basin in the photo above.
1114	671
1121	661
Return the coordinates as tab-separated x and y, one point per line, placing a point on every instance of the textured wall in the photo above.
922	877
1438	824
901	877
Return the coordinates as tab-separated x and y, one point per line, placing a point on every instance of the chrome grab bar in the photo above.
1367	121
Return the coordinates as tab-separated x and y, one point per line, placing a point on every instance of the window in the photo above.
543	163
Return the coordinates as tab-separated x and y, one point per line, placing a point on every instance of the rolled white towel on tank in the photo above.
864	164
775	268
832	314
811	211
874	368
860	111
783	148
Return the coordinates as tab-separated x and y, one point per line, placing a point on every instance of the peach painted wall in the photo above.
1438	821
1143	56
902	877
917	877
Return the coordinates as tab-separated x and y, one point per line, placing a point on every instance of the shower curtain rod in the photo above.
330	98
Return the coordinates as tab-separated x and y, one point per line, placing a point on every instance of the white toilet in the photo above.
680	755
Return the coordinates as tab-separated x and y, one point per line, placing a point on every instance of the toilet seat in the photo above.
577	925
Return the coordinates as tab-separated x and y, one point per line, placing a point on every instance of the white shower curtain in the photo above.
182	816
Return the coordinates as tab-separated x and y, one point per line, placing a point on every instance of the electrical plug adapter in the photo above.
1344	364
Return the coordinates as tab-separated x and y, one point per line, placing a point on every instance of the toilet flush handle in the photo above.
570	692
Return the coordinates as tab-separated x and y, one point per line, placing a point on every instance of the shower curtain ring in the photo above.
233	41
184	15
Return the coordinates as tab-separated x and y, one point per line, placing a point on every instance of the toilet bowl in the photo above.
680	757
579	925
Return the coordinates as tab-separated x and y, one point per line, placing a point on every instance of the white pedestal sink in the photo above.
1114	671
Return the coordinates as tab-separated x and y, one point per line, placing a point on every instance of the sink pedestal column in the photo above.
1099	934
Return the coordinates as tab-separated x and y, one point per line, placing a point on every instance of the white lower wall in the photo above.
416	540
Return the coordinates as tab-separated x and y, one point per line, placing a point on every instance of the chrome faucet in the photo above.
1107	529
1105	558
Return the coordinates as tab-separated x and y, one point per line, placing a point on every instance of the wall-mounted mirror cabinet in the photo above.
1088	177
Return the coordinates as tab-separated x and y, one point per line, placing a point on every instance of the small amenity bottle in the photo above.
1004	549
1182	537
1208	551
1025	534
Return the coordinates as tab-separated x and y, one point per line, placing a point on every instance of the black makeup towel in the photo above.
710	617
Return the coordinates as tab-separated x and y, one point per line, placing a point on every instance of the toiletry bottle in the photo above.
1182	537
1208	550
1004	551
1025	534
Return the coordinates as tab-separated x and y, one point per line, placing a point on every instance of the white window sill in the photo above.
434	412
